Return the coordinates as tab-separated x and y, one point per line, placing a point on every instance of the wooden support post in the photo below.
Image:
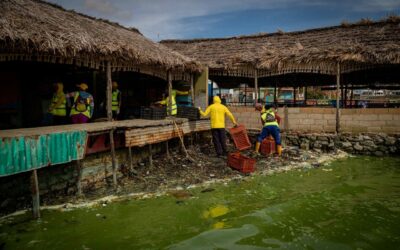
294	96
256	84
275	94
167	149
345	95
245	95
305	95
192	88
113	161
79	181
351	96
130	159
169	77
35	195
286	123
337	98
150	156
109	92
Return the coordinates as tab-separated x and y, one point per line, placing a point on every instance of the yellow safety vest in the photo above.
61	109
75	112
269	123
115	101
174	109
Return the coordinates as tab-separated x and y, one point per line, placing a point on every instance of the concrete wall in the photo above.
324	119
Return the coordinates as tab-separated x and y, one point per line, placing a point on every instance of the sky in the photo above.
188	19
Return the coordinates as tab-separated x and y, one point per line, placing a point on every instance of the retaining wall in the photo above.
324	119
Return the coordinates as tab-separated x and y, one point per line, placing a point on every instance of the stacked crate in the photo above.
190	113
153	113
236	160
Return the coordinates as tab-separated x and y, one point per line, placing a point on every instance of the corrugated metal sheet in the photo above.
27	153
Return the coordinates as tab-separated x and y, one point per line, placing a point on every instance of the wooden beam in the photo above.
35	195
256	84
109	92
169	109
337	97
113	161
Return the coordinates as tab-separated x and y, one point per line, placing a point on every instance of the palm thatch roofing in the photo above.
355	46
40	31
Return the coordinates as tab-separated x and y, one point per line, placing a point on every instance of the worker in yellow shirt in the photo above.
217	113
173	110
270	127
83	105
116	101
58	106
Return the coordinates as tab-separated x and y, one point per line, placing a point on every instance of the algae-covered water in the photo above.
350	204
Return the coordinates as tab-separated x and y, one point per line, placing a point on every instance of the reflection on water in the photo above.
351	204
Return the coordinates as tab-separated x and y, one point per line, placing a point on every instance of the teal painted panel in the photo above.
27	153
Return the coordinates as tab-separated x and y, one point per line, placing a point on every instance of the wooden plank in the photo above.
35	195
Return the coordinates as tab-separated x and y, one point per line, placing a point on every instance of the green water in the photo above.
350	204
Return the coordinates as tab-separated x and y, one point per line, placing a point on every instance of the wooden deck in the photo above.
91	127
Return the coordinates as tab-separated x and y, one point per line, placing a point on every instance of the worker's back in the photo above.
217	113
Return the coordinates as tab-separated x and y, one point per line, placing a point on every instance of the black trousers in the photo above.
219	140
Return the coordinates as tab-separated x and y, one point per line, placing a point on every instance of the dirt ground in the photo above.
179	172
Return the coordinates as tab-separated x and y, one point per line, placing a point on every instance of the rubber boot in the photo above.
257	149
279	150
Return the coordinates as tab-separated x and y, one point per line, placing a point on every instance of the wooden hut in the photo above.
362	53
39	39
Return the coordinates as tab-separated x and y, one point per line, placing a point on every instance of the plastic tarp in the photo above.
20	154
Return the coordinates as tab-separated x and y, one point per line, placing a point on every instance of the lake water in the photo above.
352	203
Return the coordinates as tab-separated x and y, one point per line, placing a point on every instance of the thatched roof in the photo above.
355	46
37	30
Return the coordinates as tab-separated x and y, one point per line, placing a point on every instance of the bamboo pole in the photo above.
256	84
35	195
337	97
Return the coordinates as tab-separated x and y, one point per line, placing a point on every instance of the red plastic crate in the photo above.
267	146
240	162
240	138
